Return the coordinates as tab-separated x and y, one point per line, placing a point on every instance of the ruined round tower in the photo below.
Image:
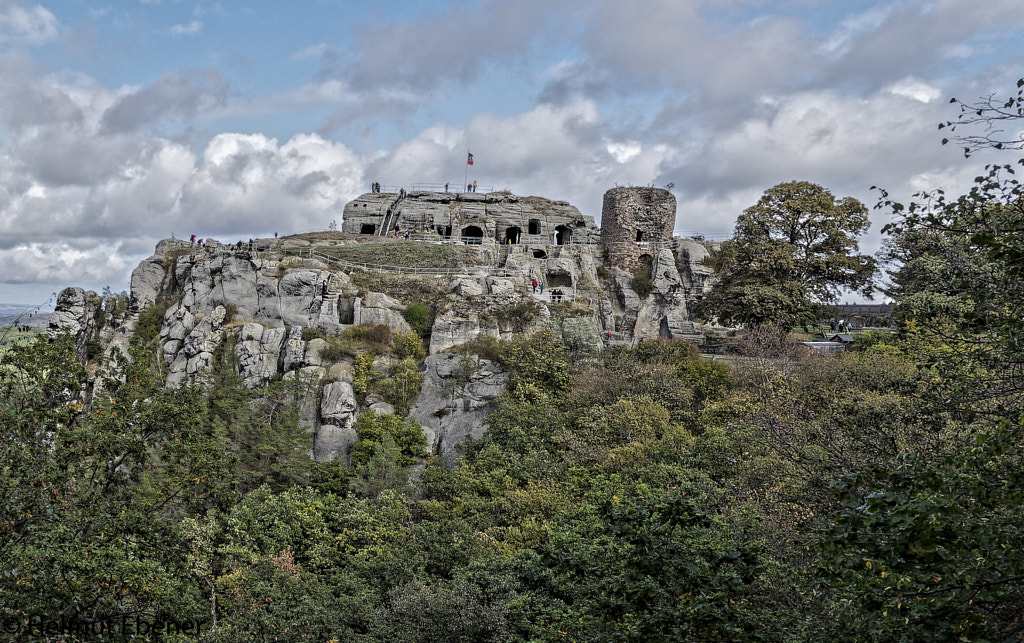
635	221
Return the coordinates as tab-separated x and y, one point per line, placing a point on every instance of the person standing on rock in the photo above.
474	186
534	285
542	290
445	187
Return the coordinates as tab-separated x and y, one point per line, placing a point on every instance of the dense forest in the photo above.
640	494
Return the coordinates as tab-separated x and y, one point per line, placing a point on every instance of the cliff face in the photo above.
259	299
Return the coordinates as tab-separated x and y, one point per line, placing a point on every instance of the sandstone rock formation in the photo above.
258	298
455	400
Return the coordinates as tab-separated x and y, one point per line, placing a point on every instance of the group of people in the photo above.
556	294
471	187
842	326
193	241
375	187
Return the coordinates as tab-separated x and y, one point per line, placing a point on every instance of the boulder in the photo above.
457	396
334	442
147	282
338	404
377	309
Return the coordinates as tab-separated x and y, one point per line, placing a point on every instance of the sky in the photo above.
124	122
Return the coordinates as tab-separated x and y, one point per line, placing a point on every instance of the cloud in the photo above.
29	25
87	187
190	29
562	152
249	183
179	96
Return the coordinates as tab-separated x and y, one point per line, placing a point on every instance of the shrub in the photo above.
93	349
338	348
408	345
484	346
517	315
307	333
150	321
642	285
363	375
419	317
371	427
229	313
403	385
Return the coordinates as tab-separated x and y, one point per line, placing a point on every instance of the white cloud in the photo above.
31	25
915	89
249	184
190	29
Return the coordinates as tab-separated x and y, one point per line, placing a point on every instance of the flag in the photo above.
469	160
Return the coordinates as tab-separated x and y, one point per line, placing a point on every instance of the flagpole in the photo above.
465	180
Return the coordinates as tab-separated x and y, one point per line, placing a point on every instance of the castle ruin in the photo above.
635	223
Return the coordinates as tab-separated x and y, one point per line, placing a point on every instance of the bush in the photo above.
307	333
402	385
518	315
338	348
408	345
150	321
484	346
419	317
642	285
371	427
376	338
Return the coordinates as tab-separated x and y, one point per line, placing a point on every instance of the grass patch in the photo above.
406	289
407	254
483	346
11	337
518	315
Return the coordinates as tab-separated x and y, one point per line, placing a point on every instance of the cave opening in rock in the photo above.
559	280
472	235
367	228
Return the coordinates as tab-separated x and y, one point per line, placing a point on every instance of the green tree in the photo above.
927	545
92	494
792	252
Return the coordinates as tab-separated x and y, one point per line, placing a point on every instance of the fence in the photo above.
453	188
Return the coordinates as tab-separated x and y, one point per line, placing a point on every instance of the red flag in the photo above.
469	161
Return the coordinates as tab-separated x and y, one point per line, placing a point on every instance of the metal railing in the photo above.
453	188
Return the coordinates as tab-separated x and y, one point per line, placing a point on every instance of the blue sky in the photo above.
124	122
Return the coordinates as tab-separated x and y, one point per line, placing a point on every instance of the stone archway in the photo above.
563	235
512	235
367	228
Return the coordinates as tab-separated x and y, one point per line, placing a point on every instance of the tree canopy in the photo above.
792	251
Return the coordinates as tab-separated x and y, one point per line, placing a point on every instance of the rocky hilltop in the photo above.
277	304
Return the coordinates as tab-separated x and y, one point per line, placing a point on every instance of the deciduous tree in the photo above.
792	251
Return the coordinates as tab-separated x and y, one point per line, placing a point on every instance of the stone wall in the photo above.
634	221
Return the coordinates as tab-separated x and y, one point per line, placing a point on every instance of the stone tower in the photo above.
635	222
